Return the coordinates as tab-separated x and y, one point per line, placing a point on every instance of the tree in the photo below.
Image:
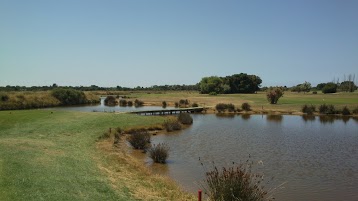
274	93
330	88
320	86
237	83
211	84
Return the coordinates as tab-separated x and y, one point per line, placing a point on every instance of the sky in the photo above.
133	43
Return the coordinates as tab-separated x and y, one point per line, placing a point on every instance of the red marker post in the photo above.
199	195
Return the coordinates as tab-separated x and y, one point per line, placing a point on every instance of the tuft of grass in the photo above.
308	109
139	140
235	183
246	107
172	125
185	118
159	153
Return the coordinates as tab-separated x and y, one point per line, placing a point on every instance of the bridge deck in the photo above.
170	111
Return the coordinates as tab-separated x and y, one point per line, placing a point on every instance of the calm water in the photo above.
103	108
313	158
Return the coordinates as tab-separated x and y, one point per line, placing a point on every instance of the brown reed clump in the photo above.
235	183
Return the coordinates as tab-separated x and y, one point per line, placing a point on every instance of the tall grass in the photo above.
235	183
159	153
139	140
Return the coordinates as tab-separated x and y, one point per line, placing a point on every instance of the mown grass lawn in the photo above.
53	156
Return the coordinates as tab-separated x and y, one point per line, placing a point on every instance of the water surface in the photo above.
313	158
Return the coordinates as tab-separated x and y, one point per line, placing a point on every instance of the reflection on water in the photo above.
308	118
316	161
104	108
327	119
225	115
245	116
274	118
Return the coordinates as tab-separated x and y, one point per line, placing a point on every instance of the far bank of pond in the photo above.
313	158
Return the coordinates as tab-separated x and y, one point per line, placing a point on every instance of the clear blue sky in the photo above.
144	43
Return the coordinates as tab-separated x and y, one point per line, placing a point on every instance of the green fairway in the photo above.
51	156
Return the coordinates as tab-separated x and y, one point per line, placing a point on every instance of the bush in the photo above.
213	93
194	105
110	100
235	183
172	125
355	111
273	94
327	109
308	109
246	107
4	97
139	140
138	103
346	111
185	118
69	96
129	103
329	88
164	104
222	107
176	104
314	92
123	102
159	153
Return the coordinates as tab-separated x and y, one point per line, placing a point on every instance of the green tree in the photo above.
211	84
330	88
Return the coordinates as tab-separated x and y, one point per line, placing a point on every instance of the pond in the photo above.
309	158
103	108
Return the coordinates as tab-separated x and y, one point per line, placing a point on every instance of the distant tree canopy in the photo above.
329	88
304	87
69	96
237	83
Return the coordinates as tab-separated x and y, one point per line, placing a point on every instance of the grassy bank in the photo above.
35	99
55	156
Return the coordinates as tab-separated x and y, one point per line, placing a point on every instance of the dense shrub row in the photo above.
222	107
327	109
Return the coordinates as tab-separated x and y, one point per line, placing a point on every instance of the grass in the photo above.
55	156
290	102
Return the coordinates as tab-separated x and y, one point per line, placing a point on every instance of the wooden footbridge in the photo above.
170	111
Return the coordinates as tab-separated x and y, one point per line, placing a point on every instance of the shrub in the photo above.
308	109
213	93
123	102
194	105
69	96
185	118
246	107
110	100
235	183
329	88
159	153
314	92
138	103
221	107
171	125
355	110
346	111
176	104
273	94
139	140
4	97
164	104
327	109
130	103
